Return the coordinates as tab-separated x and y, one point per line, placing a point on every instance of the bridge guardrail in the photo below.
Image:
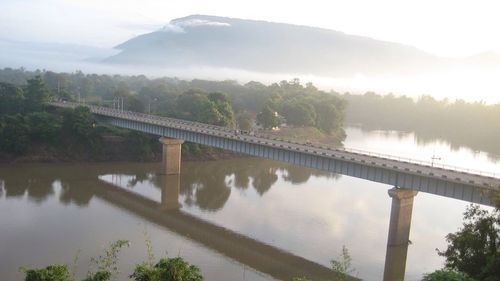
428	164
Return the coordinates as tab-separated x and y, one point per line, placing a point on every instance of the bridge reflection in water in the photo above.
206	187
260	256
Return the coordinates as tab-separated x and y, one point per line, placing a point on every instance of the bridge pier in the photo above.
171	158
399	233
170	192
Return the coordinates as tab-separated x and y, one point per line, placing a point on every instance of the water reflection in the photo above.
306	212
486	145
210	187
38	185
207	189
420	147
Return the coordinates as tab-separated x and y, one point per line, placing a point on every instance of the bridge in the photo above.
407	176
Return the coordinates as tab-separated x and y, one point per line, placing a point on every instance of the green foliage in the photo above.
224	108
244	121
196	100
446	275
14	134
474	249
107	264
36	94
44	127
134	103
100	275
140	145
78	130
55	272
300	279
11	99
167	269
298	113
344	264
267	118
328	118
214	108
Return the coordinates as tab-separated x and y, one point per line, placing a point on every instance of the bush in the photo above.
173	269
474	249
55	272
446	275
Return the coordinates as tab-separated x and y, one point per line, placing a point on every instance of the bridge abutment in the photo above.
171	157
399	233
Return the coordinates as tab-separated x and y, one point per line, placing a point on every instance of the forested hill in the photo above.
201	40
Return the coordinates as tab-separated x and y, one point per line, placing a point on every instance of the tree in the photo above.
78	129
44	127
224	107
446	275
299	113
14	134
327	117
36	94
267	118
11	99
135	104
167	269
244	121
55	272
475	248
196	105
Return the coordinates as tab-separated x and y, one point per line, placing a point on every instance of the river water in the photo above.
50	213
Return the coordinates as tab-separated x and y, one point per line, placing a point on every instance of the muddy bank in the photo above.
112	152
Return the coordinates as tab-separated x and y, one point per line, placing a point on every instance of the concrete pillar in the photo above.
171	158
170	192
399	233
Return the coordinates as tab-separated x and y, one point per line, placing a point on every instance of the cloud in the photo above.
178	26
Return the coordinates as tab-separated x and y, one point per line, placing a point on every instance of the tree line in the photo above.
472	124
225	103
27	125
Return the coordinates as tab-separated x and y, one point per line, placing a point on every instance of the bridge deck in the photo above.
488	181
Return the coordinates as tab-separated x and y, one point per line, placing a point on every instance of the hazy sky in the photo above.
443	27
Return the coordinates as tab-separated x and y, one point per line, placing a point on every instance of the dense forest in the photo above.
25	122
288	104
29	128
475	124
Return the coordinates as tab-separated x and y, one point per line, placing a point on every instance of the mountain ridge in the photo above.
203	40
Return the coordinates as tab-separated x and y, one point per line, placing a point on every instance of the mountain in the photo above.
200	40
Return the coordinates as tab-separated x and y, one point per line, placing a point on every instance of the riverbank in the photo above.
112	152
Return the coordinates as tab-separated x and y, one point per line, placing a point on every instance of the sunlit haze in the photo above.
448	29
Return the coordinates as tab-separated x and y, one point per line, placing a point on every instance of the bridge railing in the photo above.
259	134
408	160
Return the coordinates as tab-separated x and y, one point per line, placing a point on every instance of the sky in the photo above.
450	28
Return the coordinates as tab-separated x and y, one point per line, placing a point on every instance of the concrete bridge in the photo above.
405	175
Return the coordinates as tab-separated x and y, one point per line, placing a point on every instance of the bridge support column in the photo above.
170	192
171	156
399	233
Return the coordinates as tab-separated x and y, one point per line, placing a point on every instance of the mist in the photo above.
460	81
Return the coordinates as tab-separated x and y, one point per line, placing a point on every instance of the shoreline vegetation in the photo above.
302	112
31	131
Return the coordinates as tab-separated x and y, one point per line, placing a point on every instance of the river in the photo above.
49	212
